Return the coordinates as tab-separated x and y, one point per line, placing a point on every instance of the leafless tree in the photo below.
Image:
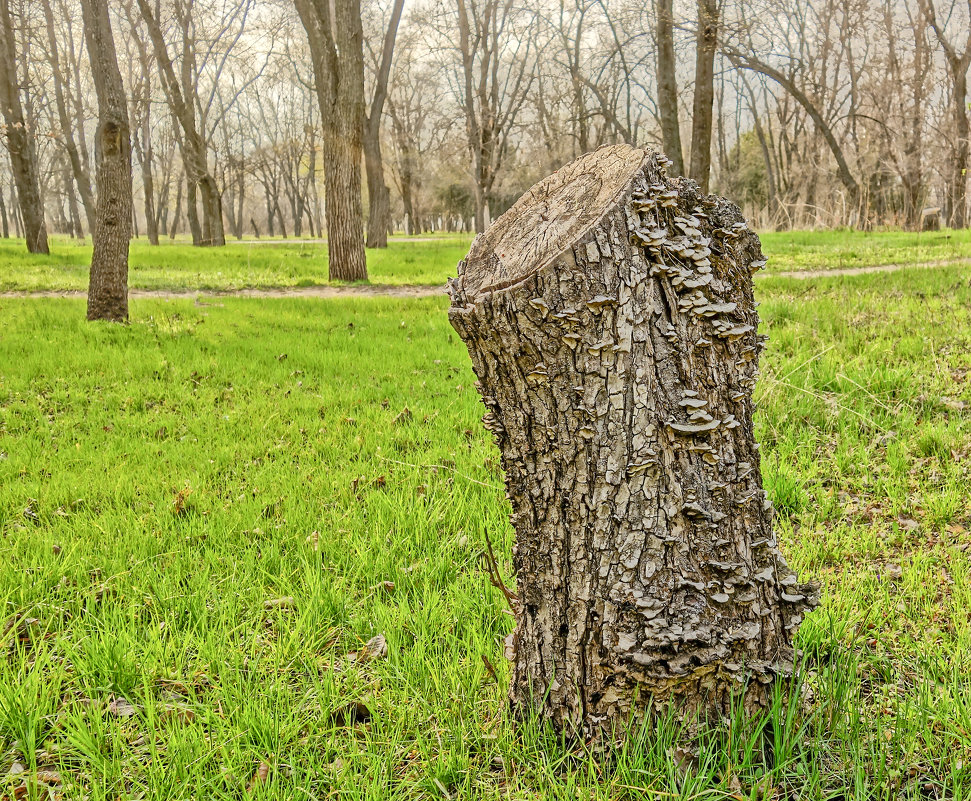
20	136
958	62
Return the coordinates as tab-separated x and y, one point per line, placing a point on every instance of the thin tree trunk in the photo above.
667	86
173	231
3	217
616	361
958	182
72	204
15	213
108	287
379	198
704	97
20	143
148	184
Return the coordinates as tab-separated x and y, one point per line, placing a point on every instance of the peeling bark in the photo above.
611	323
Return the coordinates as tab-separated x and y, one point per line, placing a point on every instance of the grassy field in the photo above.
205	515
250	263
430	260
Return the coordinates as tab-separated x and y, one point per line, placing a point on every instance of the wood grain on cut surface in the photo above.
545	221
612	326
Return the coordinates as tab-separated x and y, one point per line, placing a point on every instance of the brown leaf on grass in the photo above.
403	416
260	776
375	648
49	776
180	505
16	769
892	571
286	602
490	668
907	523
178	712
24	629
313	540
121	708
386	586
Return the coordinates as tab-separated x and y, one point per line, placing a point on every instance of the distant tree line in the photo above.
346	118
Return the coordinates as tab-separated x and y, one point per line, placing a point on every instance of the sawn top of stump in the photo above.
549	219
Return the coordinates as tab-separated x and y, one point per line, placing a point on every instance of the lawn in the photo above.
206	514
408	260
250	263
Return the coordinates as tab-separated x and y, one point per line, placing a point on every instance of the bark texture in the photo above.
611	323
108	284
336	41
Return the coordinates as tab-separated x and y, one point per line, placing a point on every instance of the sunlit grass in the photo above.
205	512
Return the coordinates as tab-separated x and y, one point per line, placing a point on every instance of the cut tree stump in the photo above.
610	319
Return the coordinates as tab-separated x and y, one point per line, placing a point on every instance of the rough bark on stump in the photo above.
611	323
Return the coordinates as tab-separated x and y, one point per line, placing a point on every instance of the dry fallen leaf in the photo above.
907	523
49	776
259	777
121	708
375	648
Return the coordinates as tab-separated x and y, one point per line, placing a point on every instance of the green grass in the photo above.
251	263
164	485
840	249
279	263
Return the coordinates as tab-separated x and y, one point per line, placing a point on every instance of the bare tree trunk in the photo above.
108	286
3	217
958	189
20	144
379	199
173	231
148	183
613	333
704	97
336	47
667	86
72	204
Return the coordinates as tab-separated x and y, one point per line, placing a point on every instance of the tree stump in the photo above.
610	319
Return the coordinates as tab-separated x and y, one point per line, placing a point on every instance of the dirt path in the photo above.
876	268
361	291
426	290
